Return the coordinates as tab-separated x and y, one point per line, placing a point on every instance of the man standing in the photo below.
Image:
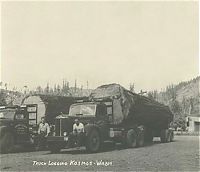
43	132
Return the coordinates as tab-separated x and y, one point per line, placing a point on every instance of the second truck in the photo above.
113	114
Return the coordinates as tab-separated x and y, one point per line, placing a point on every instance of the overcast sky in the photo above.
151	44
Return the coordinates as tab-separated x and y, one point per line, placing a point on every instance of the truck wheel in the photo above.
93	141
164	135
6	143
172	136
131	138
168	136
148	136
54	148
140	139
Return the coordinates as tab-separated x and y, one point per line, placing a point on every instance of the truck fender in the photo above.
90	127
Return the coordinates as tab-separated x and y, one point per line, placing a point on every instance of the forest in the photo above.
182	98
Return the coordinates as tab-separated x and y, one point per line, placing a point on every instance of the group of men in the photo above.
44	130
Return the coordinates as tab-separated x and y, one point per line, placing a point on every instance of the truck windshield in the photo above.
7	114
82	109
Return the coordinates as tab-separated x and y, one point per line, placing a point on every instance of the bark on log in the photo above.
134	108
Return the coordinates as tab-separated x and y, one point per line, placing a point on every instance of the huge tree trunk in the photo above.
133	108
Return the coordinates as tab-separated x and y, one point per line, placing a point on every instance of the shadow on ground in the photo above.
108	147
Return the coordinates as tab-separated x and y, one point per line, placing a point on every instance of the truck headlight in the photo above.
64	133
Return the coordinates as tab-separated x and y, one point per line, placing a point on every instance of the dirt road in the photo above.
182	154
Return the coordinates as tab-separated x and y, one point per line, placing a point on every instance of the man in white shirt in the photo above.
78	127
43	131
78	131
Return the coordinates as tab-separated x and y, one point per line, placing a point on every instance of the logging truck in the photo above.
113	114
18	126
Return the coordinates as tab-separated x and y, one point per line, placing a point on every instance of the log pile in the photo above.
131	107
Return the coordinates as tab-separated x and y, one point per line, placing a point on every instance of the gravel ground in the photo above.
180	155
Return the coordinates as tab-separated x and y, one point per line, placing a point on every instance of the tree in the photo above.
39	89
65	88
55	89
58	89
153	95
150	95
175	107
3	98
46	90
179	118
75	85
132	88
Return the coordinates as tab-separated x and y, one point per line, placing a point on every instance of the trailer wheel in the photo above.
93	141
148	136
140	139
168	136
6	143
172	136
165	136
131	138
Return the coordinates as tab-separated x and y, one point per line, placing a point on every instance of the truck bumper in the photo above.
57	141
24	140
63	139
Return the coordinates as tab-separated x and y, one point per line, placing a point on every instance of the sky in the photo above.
150	44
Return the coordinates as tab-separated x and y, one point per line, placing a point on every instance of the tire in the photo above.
131	139
54	148
165	136
168	136
93	141
172	136
6	143
148	136
140	139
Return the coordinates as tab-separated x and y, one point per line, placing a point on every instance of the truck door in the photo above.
21	125
109	111
103	120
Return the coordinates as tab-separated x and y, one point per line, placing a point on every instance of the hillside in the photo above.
188	89
183	98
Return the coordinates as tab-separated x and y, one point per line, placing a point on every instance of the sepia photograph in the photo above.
99	85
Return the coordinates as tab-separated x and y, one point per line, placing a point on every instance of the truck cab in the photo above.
17	126
96	118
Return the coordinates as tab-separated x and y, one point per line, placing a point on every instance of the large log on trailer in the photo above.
51	106
129	107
